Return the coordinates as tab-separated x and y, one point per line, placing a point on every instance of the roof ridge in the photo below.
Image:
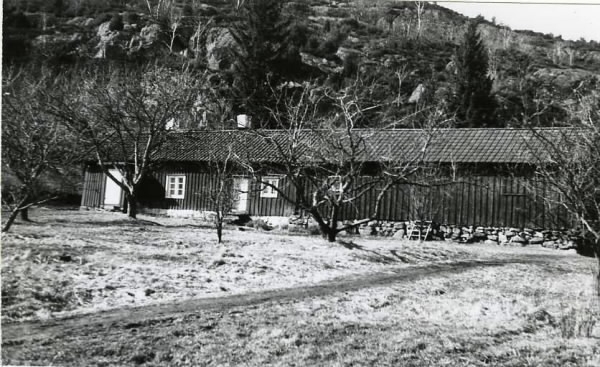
386	130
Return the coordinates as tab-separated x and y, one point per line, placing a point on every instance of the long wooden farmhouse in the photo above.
489	176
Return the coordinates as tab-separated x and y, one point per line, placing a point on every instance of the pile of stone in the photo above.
513	236
505	236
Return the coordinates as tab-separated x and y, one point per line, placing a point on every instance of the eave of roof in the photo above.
494	146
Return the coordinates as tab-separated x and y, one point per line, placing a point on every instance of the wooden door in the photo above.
113	193
240	194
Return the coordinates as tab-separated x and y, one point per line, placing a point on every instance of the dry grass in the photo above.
538	314
75	261
504	316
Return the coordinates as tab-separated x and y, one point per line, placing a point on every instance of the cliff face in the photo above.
369	26
384	36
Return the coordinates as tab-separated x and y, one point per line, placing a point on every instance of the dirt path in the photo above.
125	318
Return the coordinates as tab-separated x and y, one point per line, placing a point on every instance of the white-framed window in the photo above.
175	186
268	187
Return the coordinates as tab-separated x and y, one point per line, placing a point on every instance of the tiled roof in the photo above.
443	145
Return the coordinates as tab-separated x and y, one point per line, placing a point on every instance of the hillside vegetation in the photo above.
402	54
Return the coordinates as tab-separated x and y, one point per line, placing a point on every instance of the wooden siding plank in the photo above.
503	202
486	200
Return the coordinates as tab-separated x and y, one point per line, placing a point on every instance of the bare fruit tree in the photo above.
220	191
329	162
124	117
34	144
569	163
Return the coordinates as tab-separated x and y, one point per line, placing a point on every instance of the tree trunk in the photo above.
131	206
332	233
219	232
25	215
325	229
125	206
597	250
11	220
219	225
14	213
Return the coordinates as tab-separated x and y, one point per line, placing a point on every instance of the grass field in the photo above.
536	312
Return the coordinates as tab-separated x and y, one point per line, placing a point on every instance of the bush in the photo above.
116	23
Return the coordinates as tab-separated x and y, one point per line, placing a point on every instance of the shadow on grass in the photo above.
400	257
371	255
203	226
350	245
115	222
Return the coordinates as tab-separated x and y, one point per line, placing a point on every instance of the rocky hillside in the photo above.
395	44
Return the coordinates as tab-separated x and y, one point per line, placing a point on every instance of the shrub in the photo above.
116	23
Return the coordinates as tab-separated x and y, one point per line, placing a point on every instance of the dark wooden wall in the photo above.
476	200
94	183
197	193
277	207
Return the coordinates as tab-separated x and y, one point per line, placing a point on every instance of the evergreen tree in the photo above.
474	102
268	55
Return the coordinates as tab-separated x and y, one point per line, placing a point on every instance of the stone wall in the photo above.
507	236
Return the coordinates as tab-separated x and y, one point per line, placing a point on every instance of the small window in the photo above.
269	187
175	187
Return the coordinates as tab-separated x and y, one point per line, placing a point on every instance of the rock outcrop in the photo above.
220	48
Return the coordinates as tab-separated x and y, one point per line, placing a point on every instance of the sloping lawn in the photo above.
538	312
70	262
